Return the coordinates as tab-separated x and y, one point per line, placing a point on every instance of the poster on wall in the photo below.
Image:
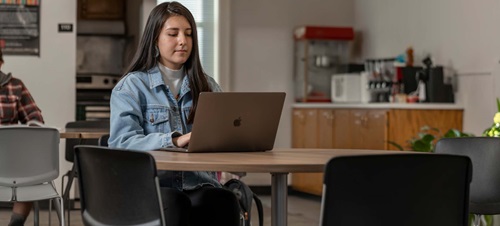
20	27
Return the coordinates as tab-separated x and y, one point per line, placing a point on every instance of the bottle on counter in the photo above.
409	57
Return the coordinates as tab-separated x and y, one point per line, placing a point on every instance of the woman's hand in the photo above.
182	141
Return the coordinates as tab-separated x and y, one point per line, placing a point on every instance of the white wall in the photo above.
262	49
460	34
51	77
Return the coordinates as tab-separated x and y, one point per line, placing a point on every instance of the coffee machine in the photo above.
437	90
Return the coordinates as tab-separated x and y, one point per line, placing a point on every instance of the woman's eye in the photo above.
189	34
172	34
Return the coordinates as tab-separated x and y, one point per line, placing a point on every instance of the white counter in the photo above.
431	106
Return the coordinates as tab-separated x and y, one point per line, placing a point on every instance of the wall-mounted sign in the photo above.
65	27
20	27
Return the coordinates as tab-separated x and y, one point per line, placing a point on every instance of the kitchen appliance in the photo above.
382	81
319	53
438	87
93	93
100	54
347	87
101	57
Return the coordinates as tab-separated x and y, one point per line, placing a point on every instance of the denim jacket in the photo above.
145	116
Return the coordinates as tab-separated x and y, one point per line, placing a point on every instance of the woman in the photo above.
153	106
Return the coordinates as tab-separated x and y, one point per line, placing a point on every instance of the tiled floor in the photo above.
302	211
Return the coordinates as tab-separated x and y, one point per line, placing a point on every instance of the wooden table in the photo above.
278	162
82	133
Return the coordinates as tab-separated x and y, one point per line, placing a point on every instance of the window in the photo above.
205	13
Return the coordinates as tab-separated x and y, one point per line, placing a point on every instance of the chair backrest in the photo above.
118	187
396	189
72	142
28	155
484	153
103	140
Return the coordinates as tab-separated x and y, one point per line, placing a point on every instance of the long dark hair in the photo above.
145	59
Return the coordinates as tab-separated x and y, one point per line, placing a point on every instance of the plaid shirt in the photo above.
17	105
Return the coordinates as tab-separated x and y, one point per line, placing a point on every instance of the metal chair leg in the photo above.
477	220
61	212
71	177
50	212
36	210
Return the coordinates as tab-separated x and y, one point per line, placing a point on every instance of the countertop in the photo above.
429	106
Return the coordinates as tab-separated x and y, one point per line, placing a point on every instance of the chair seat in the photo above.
5	194
29	193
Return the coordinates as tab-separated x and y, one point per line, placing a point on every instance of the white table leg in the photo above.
279	196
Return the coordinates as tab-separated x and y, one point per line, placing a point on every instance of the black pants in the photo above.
204	206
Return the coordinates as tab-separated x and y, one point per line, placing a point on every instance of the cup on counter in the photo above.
400	98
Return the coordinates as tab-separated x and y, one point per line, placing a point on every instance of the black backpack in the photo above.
245	196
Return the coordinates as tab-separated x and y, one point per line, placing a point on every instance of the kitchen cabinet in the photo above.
360	128
405	124
314	128
339	128
101	9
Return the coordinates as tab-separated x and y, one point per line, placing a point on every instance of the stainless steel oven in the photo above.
93	92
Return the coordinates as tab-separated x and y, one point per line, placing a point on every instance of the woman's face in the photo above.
175	42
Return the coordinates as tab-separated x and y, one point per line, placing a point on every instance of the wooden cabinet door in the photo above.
357	120
404	124
341	129
375	134
368	129
325	128
305	135
304	130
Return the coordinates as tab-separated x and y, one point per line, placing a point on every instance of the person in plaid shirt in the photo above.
17	106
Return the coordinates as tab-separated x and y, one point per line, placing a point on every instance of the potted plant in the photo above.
426	139
494	130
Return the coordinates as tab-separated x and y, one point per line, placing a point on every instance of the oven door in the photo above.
92	105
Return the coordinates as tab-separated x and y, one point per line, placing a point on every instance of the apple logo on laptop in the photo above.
237	122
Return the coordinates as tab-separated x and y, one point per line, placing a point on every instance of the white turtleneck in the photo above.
172	78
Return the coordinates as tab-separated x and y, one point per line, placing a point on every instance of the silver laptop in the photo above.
235	122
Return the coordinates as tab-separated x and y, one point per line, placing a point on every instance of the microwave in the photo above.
346	87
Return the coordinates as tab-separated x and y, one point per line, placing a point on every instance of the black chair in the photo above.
395	190
118	187
103	140
69	153
484	153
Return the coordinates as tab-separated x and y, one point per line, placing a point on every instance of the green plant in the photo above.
494	130
425	140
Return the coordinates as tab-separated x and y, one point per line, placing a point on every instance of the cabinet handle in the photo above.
364	119
328	115
300	116
329	118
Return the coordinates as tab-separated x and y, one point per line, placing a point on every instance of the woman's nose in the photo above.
182	39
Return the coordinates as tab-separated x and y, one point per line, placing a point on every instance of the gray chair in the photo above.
396	189
118	187
29	164
485	155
